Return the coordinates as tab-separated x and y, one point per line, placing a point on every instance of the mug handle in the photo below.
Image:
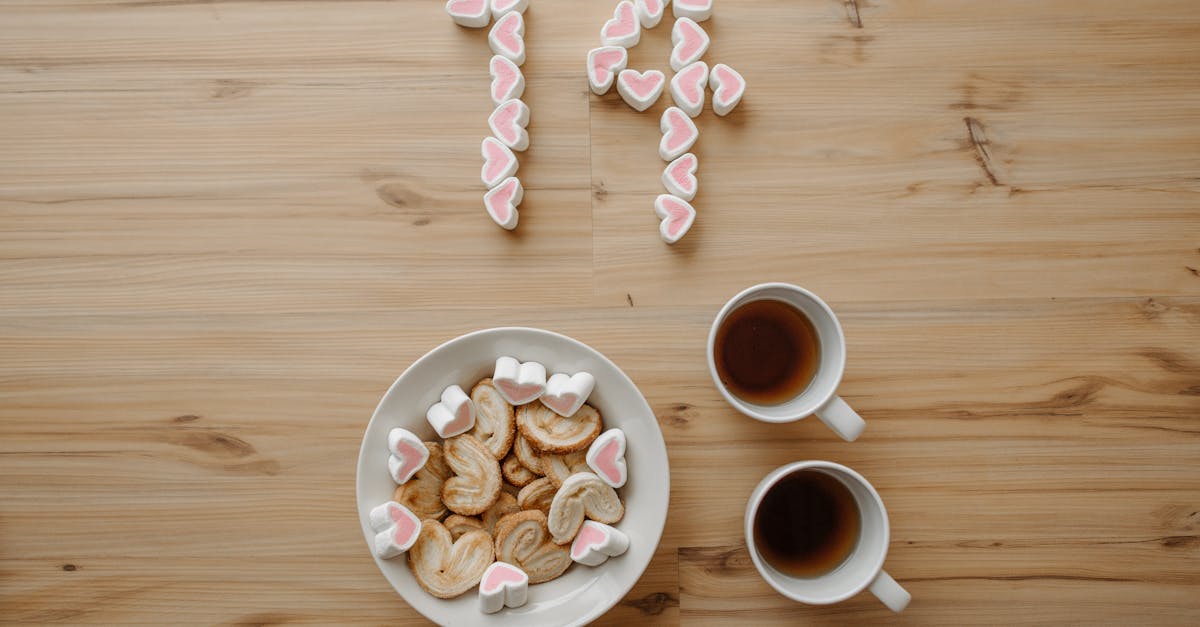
845	422
891	593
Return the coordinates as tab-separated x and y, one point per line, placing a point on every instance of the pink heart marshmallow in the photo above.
517	382
453	415
606	456
687	88
728	88
690	43
640	90
501	202
603	64
499	162
596	542
623	29
469	13
650	12
698	10
679	177
406	454
677	217
502	585
679	134
507	37
566	394
507	80
396	529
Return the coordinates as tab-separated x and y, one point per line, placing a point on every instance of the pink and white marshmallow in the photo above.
606	456
690	42
507	80
679	177
677	215
728	88
640	90
406	454
687	88
503	585
469	13
507	37
508	122
679	134
650	12
453	415
517	382
698	10
501	202
499	163
596	542
623	29
396	529
566	394
500	7
603	65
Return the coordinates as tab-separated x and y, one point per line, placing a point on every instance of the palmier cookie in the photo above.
422	494
522	539
537	495
446	567
458	524
552	433
530	457
505	505
495	422
476	484
559	467
582	495
515	472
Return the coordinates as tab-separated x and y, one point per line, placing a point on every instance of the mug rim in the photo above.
756	497
748	408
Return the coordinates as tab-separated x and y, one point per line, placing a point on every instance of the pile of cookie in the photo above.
523	483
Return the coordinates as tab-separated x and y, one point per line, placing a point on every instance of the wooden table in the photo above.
227	226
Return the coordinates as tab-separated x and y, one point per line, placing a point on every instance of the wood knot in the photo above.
654	603
70	568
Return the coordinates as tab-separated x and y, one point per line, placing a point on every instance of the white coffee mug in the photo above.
820	397
862	569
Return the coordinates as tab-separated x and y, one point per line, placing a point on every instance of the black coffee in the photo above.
767	352
807	524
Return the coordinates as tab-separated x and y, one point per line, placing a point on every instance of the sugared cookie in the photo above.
445	567
505	505
422	494
530	457
516	473
552	433
522	539
476	484
582	495
457	525
537	495
495	421
559	467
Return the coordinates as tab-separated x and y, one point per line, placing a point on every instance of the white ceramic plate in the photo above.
583	593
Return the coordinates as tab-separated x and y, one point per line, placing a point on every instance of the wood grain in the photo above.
226	226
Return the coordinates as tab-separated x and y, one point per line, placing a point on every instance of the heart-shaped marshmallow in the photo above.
407	454
679	134
650	12
499	162
606	457
453	415
728	88
690	43
640	90
687	88
507	37
517	382
469	13
396	529
677	217
603	64
698	10
566	394
502	585
508	122
596	542
507	80
501	202
679	177
623	29
500	7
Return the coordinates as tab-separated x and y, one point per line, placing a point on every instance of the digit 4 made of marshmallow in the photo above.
607	65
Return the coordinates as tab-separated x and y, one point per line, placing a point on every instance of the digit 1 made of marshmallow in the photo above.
640	90
507	37
501	202
679	177
603	65
677	215
517	382
679	133
650	12
507	80
499	162
453	415
469	13
502	585
687	88
500	7
623	29
396	529
406	454
596	542
728	88
606	456
566	394
509	120
698	10
689	43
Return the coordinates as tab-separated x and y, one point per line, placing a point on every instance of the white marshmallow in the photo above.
698	10
469	13
623	29
566	394
687	88
604	63
728	88
507	37
596	542
679	133
517	382
606	456
677	217
690	42
640	90
502	585
501	202
499	162
500	7
650	12
396	529
453	415
679	177
507	80
508	122
406	454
